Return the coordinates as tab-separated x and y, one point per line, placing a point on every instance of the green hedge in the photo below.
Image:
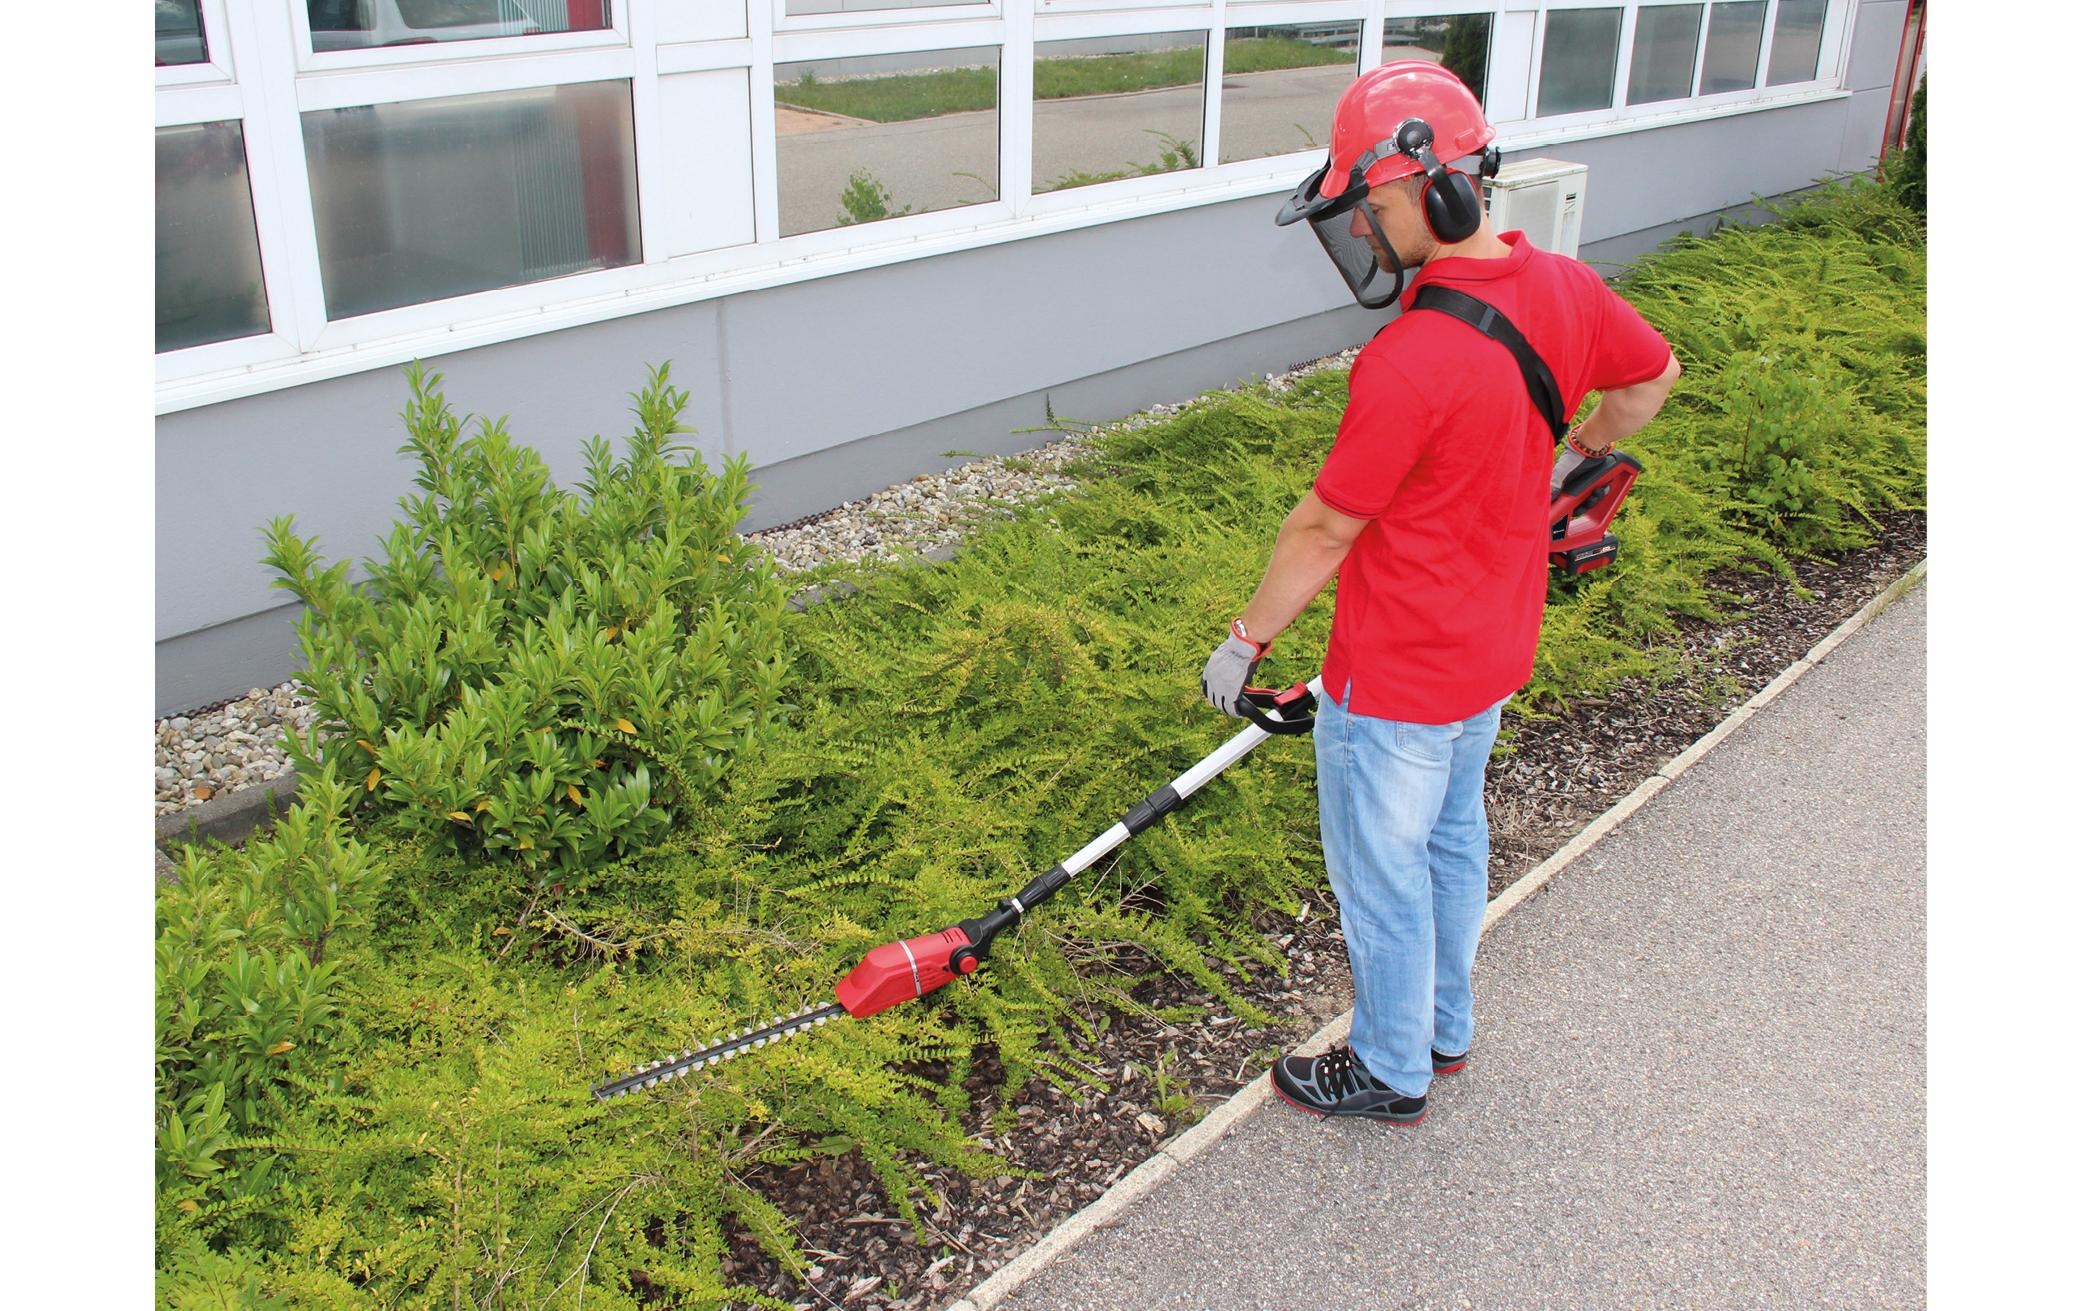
952	731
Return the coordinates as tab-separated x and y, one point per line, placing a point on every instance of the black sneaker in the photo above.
1442	1064
1336	1083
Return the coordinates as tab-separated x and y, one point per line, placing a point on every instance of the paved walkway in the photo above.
1698	1077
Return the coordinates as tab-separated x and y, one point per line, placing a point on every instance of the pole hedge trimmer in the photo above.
901	971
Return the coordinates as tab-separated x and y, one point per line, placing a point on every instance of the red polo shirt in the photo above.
1439	601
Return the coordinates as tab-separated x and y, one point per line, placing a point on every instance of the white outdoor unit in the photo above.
1544	198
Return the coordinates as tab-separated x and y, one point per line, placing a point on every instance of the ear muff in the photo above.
1453	210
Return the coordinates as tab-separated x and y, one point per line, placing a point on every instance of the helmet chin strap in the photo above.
1382	243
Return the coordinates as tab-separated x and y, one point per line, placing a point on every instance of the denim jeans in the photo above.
1408	849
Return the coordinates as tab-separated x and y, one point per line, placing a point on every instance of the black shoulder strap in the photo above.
1485	318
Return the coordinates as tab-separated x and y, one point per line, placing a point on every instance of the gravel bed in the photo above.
214	750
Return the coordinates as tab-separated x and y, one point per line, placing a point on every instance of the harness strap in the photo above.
1486	319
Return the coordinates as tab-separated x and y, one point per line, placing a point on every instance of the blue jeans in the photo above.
1408	848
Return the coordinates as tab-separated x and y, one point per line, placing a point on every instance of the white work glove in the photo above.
1573	457
1229	669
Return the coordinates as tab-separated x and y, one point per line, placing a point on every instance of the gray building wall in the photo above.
846	384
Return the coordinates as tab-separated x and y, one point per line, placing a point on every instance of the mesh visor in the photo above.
1359	259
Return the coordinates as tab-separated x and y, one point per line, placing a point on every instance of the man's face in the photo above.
1402	220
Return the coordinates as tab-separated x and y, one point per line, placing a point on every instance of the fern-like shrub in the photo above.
539	675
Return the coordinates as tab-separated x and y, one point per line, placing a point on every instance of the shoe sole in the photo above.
1455	1068
1407	1122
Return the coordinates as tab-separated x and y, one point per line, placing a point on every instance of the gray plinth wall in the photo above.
842	385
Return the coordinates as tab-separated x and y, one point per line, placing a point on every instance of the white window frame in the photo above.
310	60
897	15
217	45
263	74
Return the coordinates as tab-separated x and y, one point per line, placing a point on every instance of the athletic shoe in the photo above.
1336	1083
1448	1064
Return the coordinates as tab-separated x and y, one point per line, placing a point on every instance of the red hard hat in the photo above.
1365	124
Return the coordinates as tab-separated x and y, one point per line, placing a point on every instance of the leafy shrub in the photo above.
247	1001
1904	169
523	659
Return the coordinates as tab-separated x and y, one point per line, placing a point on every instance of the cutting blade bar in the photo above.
687	1062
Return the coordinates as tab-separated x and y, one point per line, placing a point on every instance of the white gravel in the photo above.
209	752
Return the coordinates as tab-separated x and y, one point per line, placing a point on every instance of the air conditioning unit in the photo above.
1544	198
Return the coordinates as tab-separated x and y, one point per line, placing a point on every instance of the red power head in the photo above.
1583	513
899	971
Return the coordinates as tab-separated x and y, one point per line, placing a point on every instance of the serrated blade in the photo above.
657	1072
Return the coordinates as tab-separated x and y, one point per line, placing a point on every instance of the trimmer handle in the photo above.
1293	710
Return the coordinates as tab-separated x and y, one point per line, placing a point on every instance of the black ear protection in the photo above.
1453	210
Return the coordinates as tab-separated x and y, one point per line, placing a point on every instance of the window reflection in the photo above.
1735	34
429	199
1797	41
360	24
206	253
1578	60
1459	41
805	8
882	136
177	33
1667	45
1280	84
1107	108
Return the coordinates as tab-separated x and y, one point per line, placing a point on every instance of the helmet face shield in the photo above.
1351	235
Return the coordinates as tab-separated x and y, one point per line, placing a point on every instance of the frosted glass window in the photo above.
1667	45
360	24
177	33
1107	108
206	253
877	137
1578	60
1459	41
429	199
1735	34
1797	41
1280	84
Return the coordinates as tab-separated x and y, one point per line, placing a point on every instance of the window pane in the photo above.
359	24
1280	84
1667	44
177	32
1735	33
800	8
1117	107
1797	41
1460	41
205	250
436	198
1578	60
882	136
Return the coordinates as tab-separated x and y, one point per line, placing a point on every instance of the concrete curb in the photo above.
1107	1210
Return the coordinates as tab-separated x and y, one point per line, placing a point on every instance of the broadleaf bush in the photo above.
538	675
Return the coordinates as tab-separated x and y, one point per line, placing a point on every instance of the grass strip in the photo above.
900	97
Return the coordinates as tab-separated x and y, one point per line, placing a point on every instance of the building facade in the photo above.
865	233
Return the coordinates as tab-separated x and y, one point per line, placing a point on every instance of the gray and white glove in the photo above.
1566	464
1229	669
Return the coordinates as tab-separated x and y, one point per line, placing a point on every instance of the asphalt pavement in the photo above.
1698	1075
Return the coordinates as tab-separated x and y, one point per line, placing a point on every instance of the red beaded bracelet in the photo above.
1580	448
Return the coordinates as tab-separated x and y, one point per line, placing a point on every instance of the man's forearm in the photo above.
1304	558
1625	411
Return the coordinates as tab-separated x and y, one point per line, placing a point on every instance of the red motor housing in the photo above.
1583	511
899	971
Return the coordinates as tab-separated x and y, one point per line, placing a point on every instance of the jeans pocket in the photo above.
1432	742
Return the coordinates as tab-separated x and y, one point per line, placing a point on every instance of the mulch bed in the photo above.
1557	776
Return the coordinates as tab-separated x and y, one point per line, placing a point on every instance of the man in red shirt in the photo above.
1432	509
